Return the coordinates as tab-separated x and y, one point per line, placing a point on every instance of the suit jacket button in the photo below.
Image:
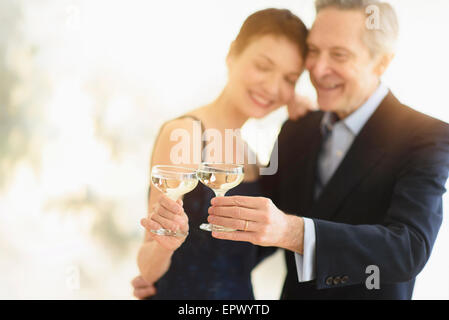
344	279
337	280
329	281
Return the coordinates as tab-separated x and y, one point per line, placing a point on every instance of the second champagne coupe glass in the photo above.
174	182
220	177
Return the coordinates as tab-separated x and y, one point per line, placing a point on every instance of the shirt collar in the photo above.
355	121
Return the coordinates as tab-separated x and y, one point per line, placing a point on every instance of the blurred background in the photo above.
84	88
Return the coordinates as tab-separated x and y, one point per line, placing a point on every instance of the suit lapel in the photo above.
365	152
307	178
298	166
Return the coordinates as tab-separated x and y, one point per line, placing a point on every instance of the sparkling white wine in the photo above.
174	182
220	177
220	182
174	188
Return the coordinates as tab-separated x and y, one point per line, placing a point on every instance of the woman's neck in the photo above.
225	114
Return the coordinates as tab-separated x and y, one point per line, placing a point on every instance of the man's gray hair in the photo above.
381	28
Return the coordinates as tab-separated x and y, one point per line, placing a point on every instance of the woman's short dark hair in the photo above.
277	22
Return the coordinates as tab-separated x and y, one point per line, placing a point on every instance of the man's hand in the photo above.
299	106
142	289
259	221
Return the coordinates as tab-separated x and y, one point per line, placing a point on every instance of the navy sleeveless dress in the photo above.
205	268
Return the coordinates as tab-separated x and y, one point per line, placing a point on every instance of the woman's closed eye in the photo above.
262	66
291	80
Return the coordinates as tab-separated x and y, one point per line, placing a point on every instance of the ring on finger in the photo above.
246	225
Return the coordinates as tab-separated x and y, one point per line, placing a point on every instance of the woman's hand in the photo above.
167	214
142	289
259	221
299	106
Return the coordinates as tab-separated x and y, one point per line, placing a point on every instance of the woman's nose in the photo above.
272	85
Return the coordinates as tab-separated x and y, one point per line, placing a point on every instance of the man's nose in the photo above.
319	66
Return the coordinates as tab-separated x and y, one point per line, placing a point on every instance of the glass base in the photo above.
213	227
170	233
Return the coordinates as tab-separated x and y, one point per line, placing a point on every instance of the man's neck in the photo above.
342	114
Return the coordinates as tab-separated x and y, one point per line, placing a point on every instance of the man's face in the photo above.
340	65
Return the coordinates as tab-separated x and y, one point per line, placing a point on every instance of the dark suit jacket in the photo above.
382	207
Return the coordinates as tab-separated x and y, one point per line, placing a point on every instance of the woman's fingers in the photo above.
149	224
299	106
170	224
171	205
170	215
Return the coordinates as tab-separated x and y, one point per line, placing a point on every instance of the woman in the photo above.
264	64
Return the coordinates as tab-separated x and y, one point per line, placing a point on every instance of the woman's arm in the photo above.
155	254
153	259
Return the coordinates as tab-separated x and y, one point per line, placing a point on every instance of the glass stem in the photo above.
174	197
220	193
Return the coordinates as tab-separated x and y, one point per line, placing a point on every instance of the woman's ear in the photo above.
231	55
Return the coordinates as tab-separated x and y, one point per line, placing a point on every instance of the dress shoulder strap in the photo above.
202	129
183	117
191	117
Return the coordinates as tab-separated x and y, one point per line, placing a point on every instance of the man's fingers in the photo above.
235	236
235	212
239	201
139	282
233	223
142	289
142	293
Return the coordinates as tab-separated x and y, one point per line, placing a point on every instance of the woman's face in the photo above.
263	76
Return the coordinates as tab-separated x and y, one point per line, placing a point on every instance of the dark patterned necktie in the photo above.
326	130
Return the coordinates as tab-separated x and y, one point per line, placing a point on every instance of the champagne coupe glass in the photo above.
174	182
220	177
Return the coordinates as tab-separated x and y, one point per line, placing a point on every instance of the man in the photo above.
357	199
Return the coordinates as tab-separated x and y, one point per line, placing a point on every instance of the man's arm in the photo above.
401	245
305	263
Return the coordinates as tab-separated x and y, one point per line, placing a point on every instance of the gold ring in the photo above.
246	225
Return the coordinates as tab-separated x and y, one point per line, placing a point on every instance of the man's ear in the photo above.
383	63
